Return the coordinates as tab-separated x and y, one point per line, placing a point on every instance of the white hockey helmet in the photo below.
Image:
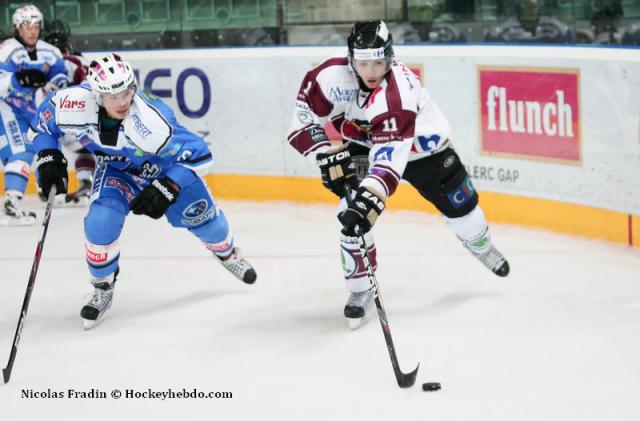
27	14
110	75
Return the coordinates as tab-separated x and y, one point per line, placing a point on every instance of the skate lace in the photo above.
492	259
236	265
100	299
359	299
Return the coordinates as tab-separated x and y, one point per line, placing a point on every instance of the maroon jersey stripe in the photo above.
394	102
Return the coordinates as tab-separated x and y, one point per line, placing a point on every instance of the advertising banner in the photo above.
530	113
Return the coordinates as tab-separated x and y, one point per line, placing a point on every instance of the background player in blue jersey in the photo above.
147	163
77	67
26	65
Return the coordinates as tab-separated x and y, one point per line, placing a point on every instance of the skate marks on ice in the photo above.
555	340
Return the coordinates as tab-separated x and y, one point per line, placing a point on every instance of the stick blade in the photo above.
6	374
406	380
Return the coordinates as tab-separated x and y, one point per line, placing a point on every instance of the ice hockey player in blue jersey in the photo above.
147	163
27	64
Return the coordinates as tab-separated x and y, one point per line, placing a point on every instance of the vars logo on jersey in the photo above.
72	104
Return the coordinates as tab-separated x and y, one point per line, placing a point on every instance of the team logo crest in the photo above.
195	209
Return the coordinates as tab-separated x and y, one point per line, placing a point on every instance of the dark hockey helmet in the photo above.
370	40
57	34
58	40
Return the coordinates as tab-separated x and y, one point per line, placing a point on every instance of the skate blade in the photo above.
358	322
89	324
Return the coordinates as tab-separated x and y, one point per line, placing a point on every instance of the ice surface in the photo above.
556	340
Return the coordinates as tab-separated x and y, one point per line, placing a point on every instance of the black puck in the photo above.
431	386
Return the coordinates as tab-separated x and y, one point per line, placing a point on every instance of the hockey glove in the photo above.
52	171
155	199
361	214
337	171
33	78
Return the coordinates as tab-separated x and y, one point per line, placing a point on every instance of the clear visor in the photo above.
119	98
30	24
372	68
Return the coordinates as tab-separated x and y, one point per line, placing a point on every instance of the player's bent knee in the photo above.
459	195
103	224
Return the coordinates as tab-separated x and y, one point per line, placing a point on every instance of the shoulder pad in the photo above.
8	47
75	106
147	127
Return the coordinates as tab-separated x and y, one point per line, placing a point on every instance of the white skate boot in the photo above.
237	265
93	312
13	212
488	254
357	308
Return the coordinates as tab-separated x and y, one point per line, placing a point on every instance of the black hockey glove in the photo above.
51	166
361	214
33	78
155	199
337	171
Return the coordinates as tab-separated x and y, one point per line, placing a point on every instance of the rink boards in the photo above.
549	135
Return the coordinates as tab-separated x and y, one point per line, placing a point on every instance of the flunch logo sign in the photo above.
530	113
71	104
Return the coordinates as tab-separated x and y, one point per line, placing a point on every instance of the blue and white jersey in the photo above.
150	143
13	57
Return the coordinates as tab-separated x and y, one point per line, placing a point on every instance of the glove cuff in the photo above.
51	156
374	204
167	188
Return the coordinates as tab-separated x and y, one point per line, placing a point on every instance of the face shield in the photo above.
118	99
371	62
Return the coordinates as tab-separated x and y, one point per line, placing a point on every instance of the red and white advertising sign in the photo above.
530	113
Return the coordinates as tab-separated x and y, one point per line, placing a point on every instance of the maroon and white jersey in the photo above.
77	68
398	121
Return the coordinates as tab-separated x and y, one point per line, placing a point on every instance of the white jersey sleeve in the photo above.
323	96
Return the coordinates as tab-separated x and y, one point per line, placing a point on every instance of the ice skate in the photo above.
93	312
13	212
78	198
357	309
488	255
237	265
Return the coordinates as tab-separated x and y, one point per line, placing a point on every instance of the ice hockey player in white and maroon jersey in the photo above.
391	130
77	67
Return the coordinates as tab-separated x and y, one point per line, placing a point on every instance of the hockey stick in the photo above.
404	379
6	372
